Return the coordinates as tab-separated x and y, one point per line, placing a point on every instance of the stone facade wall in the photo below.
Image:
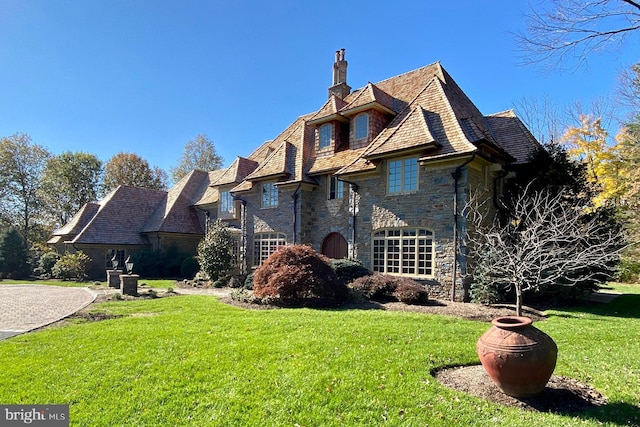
279	219
431	207
321	216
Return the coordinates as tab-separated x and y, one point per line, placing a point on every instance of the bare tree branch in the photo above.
569	30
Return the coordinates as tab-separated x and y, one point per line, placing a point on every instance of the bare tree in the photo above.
545	119
548	240
562	29
629	88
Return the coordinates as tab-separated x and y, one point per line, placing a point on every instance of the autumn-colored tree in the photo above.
132	170
22	164
70	180
588	143
200	154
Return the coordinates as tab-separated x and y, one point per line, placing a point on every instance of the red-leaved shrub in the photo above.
381	287
411	292
298	275
376	286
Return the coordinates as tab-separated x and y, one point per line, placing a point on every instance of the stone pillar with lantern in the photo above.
129	281
113	275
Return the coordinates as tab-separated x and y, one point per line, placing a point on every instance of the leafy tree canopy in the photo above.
22	164
200	154
70	180
132	170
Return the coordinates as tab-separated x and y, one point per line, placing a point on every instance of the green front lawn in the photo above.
193	361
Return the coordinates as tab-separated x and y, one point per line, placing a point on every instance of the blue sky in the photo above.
105	76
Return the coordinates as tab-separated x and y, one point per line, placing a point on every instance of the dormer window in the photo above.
325	136
362	126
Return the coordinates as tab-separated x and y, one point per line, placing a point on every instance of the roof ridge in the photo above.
458	126
439	67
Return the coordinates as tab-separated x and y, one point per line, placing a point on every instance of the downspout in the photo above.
294	196
456	174
353	189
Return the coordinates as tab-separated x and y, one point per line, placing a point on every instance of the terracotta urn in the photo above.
518	357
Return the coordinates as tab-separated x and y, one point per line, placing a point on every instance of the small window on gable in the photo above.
325	136
362	126
336	188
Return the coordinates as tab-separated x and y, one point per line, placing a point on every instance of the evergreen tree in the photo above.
14	262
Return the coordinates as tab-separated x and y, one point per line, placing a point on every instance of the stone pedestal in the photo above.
113	278
129	284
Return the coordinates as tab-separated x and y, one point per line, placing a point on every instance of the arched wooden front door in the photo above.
334	246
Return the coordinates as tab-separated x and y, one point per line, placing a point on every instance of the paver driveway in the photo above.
27	307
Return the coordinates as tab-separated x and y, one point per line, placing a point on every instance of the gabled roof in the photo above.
76	224
285	159
437	121
237	172
412	133
120	217
329	111
371	96
276	165
325	164
513	135
174	213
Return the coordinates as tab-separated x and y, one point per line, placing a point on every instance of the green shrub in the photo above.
349	270
189	267
152	263
215	251
628	270
248	282
482	293
237	281
47	262
72	266
297	275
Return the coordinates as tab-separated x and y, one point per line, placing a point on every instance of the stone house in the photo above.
378	174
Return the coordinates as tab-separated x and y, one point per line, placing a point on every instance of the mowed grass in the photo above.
194	361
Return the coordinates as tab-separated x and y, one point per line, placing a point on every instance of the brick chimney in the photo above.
340	88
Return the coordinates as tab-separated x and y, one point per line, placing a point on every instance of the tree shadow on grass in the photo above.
624	306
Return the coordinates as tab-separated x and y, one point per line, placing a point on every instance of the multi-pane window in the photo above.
264	244
403	251
325	136
269	195
362	126
336	188
403	175
226	203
